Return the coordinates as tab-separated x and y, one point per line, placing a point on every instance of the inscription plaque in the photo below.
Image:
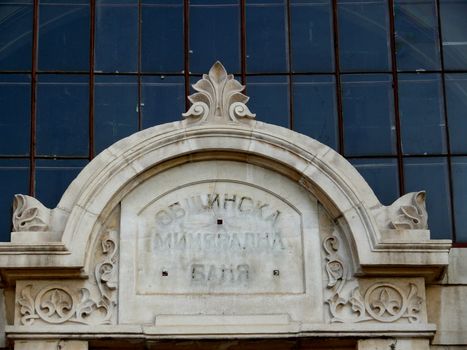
219	237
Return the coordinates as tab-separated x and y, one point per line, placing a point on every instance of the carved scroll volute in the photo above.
412	215
29	214
218	98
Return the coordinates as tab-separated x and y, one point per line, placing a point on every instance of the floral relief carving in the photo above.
58	303
29	214
383	302
218	98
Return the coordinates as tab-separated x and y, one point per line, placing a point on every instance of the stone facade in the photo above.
223	227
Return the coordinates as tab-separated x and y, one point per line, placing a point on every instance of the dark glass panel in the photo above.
115	109
266	42
16	37
454	33
215	35
423	128
368	113
456	100
162	39
163	99
315	111
417	44
364	35
459	186
14	178
64	37
15	107
54	176
382	176
311	37
116	48
270	99
431	175
62	115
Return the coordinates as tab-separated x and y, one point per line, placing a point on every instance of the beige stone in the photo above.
394	344
50	345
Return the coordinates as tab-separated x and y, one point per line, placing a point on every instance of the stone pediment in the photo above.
220	224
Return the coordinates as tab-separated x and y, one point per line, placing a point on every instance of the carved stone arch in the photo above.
363	252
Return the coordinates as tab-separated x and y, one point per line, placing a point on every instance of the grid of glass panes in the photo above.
384	82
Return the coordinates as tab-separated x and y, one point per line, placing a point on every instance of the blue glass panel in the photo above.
16	37
115	109
368	113
382	176
311	37
222	23
456	99
116	38
64	37
14	178
54	176
163	99
266	41
270	99
454	33
417	44
162	39
423	128
116	2
459	186
71	2
15	106
315	112
363	35
62	115
431	175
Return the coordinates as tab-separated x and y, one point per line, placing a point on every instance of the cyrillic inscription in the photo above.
227	239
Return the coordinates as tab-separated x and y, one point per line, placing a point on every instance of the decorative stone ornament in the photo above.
218	99
219	226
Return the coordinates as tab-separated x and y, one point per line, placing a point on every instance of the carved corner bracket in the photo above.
381	301
58	303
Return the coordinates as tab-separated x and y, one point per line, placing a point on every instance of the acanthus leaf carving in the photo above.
29	214
382	301
58	304
412	215
219	98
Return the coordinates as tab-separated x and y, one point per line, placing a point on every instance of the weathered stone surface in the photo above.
394	344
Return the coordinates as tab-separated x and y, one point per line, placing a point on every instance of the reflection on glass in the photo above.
14	178
315	112
456	100
311	37
368	113
423	128
63	37
115	109
116	47
222	22
417	44
459	186
454	32
16	37
54	176
382	175
15	107
269	99
431	175
62	115
162	38
266	42
364	35
163	100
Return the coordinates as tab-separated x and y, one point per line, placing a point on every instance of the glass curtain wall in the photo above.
383	82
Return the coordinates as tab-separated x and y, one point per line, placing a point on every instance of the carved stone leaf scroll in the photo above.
29	214
412	215
218	98
383	302
58	304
